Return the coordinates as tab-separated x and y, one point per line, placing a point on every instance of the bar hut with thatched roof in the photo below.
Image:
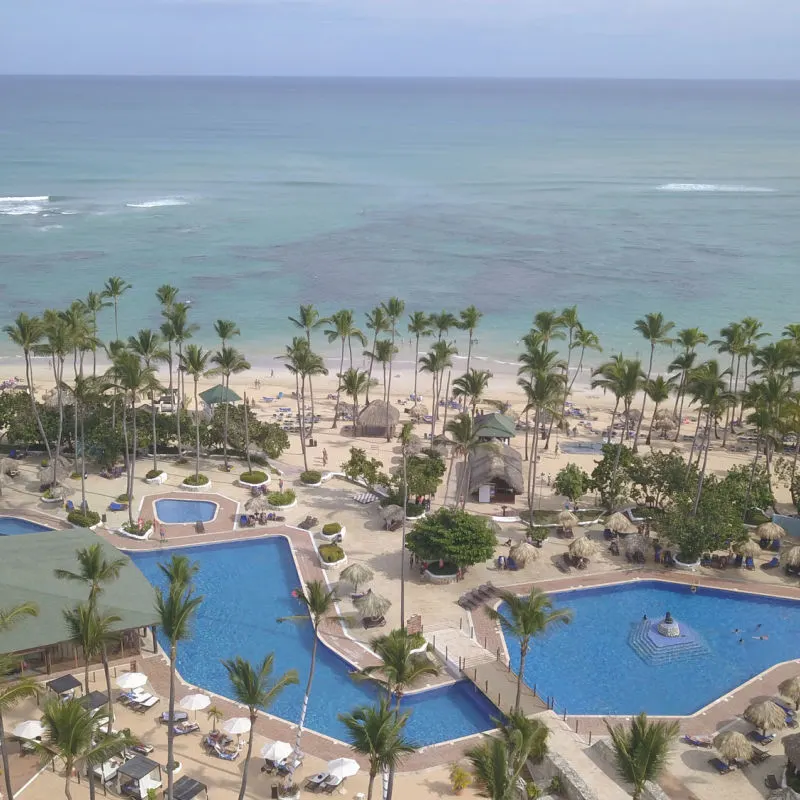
372	420
495	473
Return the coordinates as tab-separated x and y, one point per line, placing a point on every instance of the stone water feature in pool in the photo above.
662	642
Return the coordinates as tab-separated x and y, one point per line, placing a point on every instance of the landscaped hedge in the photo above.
199	480
311	476
256	476
281	498
123	498
83	519
415	509
331	553
153	473
136	529
331	529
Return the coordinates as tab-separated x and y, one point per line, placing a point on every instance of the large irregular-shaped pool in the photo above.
247	586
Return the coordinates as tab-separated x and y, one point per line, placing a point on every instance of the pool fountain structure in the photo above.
665	641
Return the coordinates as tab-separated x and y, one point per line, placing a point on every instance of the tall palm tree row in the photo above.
194	362
354	383
147	345
460	435
419	325
308	321
470	319
229	361
343	329
114	288
378	323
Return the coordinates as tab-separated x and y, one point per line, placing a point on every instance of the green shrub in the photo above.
281	498
447	568
415	509
311	476
196	480
331	553
153	473
44	462
123	498
136	529
256	476
260	460
331	529
417	640
83	519
51	494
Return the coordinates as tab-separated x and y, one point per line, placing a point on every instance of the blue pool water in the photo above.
247	586
589	667
184	511
11	526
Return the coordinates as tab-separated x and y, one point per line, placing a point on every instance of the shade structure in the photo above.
583	547
791	747
342	768
391	513
356	575
566	519
635	544
791	557
733	746
790	688
258	504
747	548
619	523
30	729
194	702
131	680
236	725
524	552
372	605
770	530
276	751
766	716
219	394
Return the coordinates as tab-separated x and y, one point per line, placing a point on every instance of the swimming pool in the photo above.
183	512
12	526
591	667
246	587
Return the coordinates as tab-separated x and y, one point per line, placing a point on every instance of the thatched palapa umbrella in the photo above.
566	519
790	688
524	552
583	547
372	605
766	716
619	523
770	530
356	575
747	548
733	746
418	412
635	544
791	557
258	504
791	747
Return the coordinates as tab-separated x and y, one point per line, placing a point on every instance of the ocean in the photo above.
256	195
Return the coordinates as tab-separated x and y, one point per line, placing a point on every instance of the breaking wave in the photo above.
161	202
711	187
18	206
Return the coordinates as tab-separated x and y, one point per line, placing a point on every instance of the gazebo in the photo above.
219	394
495	427
495	473
372	420
64	686
138	775
186	788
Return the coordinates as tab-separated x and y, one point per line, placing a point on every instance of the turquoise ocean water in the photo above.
256	195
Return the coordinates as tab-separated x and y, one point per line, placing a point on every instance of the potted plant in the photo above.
289	791
311	477
285	499
196	483
459	778
253	478
155	476
332	556
333	531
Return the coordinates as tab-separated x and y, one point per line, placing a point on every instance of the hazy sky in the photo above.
601	38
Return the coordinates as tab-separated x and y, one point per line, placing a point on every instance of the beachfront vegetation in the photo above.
311	476
254	477
572	482
285	498
198	479
331	528
365	469
453	536
422	476
331	553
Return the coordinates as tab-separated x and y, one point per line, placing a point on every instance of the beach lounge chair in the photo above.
332	784
224	754
185	727
772	563
749	563
697	741
760	738
563	566
771	782
115	506
374	622
511	564
759	756
145	705
788	710
177	716
720	766
316	781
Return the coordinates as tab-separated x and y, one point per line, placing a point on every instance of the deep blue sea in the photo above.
256	195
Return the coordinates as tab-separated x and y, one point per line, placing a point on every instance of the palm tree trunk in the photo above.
83	459
449	476
339	387
371	362
682	397
644	401
372	775
652	423
127	460
523	654
416	370
311	396
626	415
705	462
58	371
303	422
403	541
225	425
469	350
433	407
527	431
243	789
304	709
4	755
389	385
694	441
247	434
116	321
577	371
173	657
532	466
355	415
153	419
196	431
107	671
467	477
177	401
446	399
94	344
752	476
39	425
133	460
68	779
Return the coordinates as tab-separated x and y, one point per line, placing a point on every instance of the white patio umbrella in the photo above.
194	702
342	768
236	725
30	729
276	751
131	680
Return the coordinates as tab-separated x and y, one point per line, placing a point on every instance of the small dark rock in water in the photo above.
668	618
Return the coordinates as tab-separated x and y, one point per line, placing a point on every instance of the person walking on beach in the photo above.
324	457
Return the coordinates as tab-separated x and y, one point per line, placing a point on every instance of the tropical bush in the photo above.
459	778
285	498
51	494
123	498
311	476
453	536
153	473
415	509
572	482
331	528
136	529
83	519
445	568
196	480
256	476
331	553
361	467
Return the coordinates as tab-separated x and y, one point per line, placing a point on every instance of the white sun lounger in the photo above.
365	498
318	780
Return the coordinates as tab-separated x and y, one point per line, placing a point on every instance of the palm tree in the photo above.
114	289
176	610
226	329
229	362
344	329
394	308
525	617
149	347
406	433
71	734
378	323
215	714
180	571
181	331
255	688
166	296
319	604
472	385
376	732
309	320
399	668
442	323
85	390
27	333
584	340
419	325
93	631
436	362
470	317
550	326
641	751
463	442
56	346
13	692
354	383
657	389
655	329
194	362
682	366
95	302
732	342
383	354
94	570
303	364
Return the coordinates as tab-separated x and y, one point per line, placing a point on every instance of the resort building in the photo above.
495	473
495	427
373	418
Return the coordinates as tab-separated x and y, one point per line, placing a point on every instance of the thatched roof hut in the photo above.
791	747
619	523
747	548
566	519
733	746
524	552
498	466
372	605
357	575
790	688
770	530
791	557
635	544
583	547
372	419
766	716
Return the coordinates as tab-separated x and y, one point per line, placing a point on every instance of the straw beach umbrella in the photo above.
770	530
524	552
391	513
258	504
566	519
635	544
619	523
356	575
790	688
791	557
733	746
583	547
372	605
766	716
748	548
791	747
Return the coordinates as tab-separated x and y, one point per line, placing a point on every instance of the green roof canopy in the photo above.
27	575
495	426
219	394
